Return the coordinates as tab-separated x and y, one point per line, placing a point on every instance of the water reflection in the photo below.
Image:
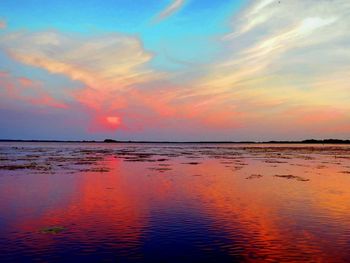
173	203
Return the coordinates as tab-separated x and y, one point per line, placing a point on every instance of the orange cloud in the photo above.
108	65
277	58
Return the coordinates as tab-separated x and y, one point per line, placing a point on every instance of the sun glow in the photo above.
113	120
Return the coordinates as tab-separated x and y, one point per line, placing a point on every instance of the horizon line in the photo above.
306	141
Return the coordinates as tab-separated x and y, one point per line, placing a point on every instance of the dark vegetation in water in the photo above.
31	166
160	169
95	159
176	190
100	170
52	160
254	176
289	176
52	230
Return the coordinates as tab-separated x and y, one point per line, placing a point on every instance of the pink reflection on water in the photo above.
262	217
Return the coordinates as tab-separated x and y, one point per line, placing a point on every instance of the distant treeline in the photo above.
313	141
309	141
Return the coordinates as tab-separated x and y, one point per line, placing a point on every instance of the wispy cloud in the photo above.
279	53
107	65
27	91
285	65
170	10
107	59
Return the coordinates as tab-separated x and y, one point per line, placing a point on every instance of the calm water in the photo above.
174	202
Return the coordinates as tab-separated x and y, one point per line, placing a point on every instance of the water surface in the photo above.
174	202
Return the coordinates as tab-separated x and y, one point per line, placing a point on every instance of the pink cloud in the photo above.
3	24
121	90
28	91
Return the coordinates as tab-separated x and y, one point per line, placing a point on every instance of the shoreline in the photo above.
109	141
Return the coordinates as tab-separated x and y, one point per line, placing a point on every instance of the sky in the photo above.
176	70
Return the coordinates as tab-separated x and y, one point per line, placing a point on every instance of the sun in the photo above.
113	120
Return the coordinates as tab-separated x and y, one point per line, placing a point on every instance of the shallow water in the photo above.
174	202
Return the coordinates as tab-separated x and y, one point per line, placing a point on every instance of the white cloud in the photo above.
280	56
108	60
171	9
283	55
108	65
274	35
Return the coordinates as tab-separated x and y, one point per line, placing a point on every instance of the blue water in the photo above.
174	202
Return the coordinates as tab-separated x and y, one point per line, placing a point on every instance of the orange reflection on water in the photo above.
260	218
275	213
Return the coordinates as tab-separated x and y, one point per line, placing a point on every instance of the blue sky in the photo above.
174	70
188	35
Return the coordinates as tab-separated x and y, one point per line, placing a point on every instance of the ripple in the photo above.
199	206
